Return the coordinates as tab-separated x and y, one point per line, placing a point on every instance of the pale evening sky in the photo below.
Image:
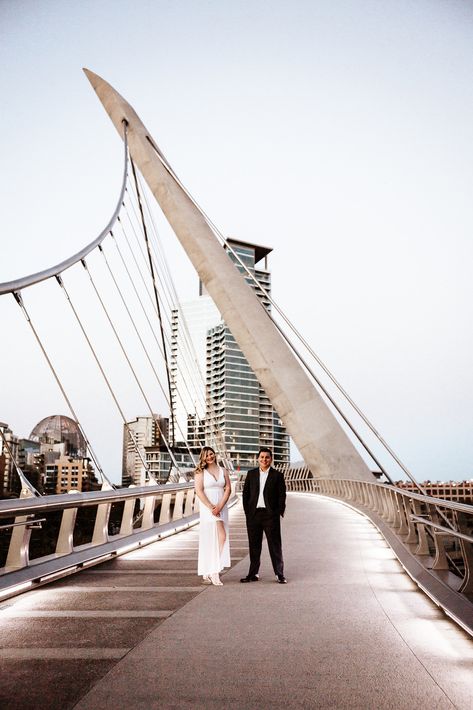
340	134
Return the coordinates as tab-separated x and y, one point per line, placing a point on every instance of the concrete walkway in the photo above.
350	630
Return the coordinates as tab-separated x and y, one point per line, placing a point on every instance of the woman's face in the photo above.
209	457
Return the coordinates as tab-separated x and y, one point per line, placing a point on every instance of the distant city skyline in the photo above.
339	133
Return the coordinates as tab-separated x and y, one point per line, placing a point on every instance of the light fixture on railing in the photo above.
56	575
15	589
97	560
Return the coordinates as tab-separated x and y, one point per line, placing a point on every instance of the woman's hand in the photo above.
216	511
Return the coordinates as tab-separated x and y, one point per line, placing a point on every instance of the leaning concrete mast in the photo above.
323	443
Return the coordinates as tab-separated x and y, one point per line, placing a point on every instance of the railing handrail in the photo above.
441	528
439	558
23	506
453	505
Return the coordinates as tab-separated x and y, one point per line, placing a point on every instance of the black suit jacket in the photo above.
274	492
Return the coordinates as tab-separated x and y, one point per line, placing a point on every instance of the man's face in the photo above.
264	460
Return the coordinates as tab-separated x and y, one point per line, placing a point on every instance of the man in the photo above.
264	501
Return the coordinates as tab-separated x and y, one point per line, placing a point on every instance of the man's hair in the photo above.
265	450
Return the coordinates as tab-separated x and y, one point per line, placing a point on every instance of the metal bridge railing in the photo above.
43	539
432	537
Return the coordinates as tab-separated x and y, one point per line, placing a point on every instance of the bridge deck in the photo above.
350	630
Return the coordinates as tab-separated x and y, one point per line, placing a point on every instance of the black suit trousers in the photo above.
269	523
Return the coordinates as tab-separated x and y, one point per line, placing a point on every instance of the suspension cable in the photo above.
156	296
23	480
191	379
125	354
102	371
216	434
140	339
132	282
224	242
19	300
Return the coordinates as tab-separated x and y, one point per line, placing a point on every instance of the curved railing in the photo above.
432	537
43	539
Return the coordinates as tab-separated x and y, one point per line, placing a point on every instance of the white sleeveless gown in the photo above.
210	559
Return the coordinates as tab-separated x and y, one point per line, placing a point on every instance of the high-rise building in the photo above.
8	454
237	409
139	434
163	468
189	327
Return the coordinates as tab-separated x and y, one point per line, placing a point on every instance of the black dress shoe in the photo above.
250	578
281	579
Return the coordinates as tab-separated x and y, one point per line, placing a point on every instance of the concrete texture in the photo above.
57	641
323	443
350	630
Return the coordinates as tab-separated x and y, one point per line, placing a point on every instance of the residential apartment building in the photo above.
238	415
54	458
8	454
138	435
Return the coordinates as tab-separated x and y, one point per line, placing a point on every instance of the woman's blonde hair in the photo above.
203	454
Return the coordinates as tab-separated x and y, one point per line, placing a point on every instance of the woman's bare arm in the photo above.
226	491
199	489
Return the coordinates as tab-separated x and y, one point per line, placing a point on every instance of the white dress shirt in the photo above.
263	477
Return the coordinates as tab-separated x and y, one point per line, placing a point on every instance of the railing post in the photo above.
126	526
372	502
467	553
403	528
65	538
380	503
440	560
18	549
189	506
411	538
147	520
386	503
350	490
423	546
178	503
391	503
100	534
165	514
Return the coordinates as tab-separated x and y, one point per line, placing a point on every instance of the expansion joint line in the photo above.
19	300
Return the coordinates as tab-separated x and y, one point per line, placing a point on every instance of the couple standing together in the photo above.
264	502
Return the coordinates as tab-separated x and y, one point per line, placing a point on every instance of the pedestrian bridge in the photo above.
350	630
100	604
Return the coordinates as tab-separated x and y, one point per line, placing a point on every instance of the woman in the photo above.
212	486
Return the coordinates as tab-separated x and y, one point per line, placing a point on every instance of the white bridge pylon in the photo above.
324	445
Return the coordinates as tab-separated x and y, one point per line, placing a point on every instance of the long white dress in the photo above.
210	559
